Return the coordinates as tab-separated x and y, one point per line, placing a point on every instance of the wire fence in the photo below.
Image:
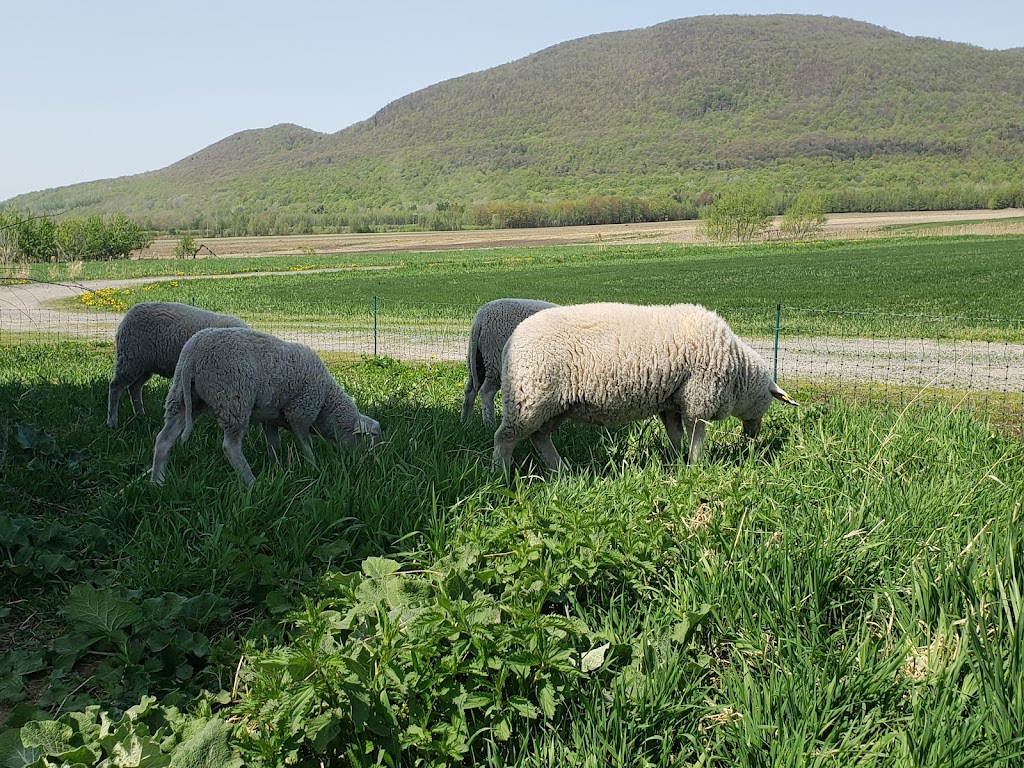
976	363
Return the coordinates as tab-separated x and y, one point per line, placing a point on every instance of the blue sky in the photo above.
104	88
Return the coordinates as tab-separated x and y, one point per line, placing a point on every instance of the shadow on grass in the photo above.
610	451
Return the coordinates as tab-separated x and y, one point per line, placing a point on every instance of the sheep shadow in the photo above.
607	451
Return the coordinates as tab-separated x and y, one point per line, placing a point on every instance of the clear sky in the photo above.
102	88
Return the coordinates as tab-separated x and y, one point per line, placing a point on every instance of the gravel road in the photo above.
944	364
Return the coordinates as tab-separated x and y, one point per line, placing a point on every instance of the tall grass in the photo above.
846	590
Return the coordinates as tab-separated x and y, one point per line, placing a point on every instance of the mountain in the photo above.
791	101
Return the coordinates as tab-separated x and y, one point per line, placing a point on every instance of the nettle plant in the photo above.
440	662
396	660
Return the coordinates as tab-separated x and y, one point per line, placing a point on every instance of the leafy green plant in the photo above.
426	661
804	217
43	447
737	214
147	734
138	643
186	247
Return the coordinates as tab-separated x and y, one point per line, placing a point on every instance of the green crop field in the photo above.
972	282
846	590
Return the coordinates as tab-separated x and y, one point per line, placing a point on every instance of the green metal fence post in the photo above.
775	356
374	326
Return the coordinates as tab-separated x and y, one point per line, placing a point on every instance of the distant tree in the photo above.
737	214
122	236
8	236
71	239
805	217
186	248
27	238
93	238
447	216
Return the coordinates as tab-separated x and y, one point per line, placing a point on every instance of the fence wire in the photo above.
867	356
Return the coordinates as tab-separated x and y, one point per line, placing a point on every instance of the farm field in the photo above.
846	590
234	254
901	276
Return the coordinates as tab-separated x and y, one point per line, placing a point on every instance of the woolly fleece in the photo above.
148	341
492	326
242	376
613	363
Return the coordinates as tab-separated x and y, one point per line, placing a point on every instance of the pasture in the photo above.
968	281
846	590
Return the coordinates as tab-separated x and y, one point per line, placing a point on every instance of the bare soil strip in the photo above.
847	225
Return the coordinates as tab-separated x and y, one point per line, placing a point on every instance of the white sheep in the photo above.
614	363
242	376
492	325
149	340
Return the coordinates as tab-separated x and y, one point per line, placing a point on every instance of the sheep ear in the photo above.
780	394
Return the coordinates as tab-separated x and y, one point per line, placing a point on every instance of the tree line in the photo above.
734	212
680	204
24	237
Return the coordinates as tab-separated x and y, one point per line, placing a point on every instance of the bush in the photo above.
805	217
738	214
186	248
39	238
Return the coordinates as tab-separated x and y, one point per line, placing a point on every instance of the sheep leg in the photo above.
751	427
135	390
487	392
505	440
118	385
232	444
113	395
469	398
696	429
273	435
674	427
548	453
173	427
301	432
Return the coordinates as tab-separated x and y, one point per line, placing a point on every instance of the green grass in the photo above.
846	590
964	287
121	270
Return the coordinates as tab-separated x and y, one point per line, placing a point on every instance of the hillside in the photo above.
697	103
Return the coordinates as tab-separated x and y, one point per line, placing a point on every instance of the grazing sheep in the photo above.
242	376
149	340
614	363
492	325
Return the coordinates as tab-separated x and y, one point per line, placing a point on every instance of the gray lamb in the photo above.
149	340
614	363
241	376
492	325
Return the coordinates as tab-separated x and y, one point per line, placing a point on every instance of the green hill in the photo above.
667	111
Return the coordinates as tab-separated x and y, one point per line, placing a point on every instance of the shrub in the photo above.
186	248
805	217
738	214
